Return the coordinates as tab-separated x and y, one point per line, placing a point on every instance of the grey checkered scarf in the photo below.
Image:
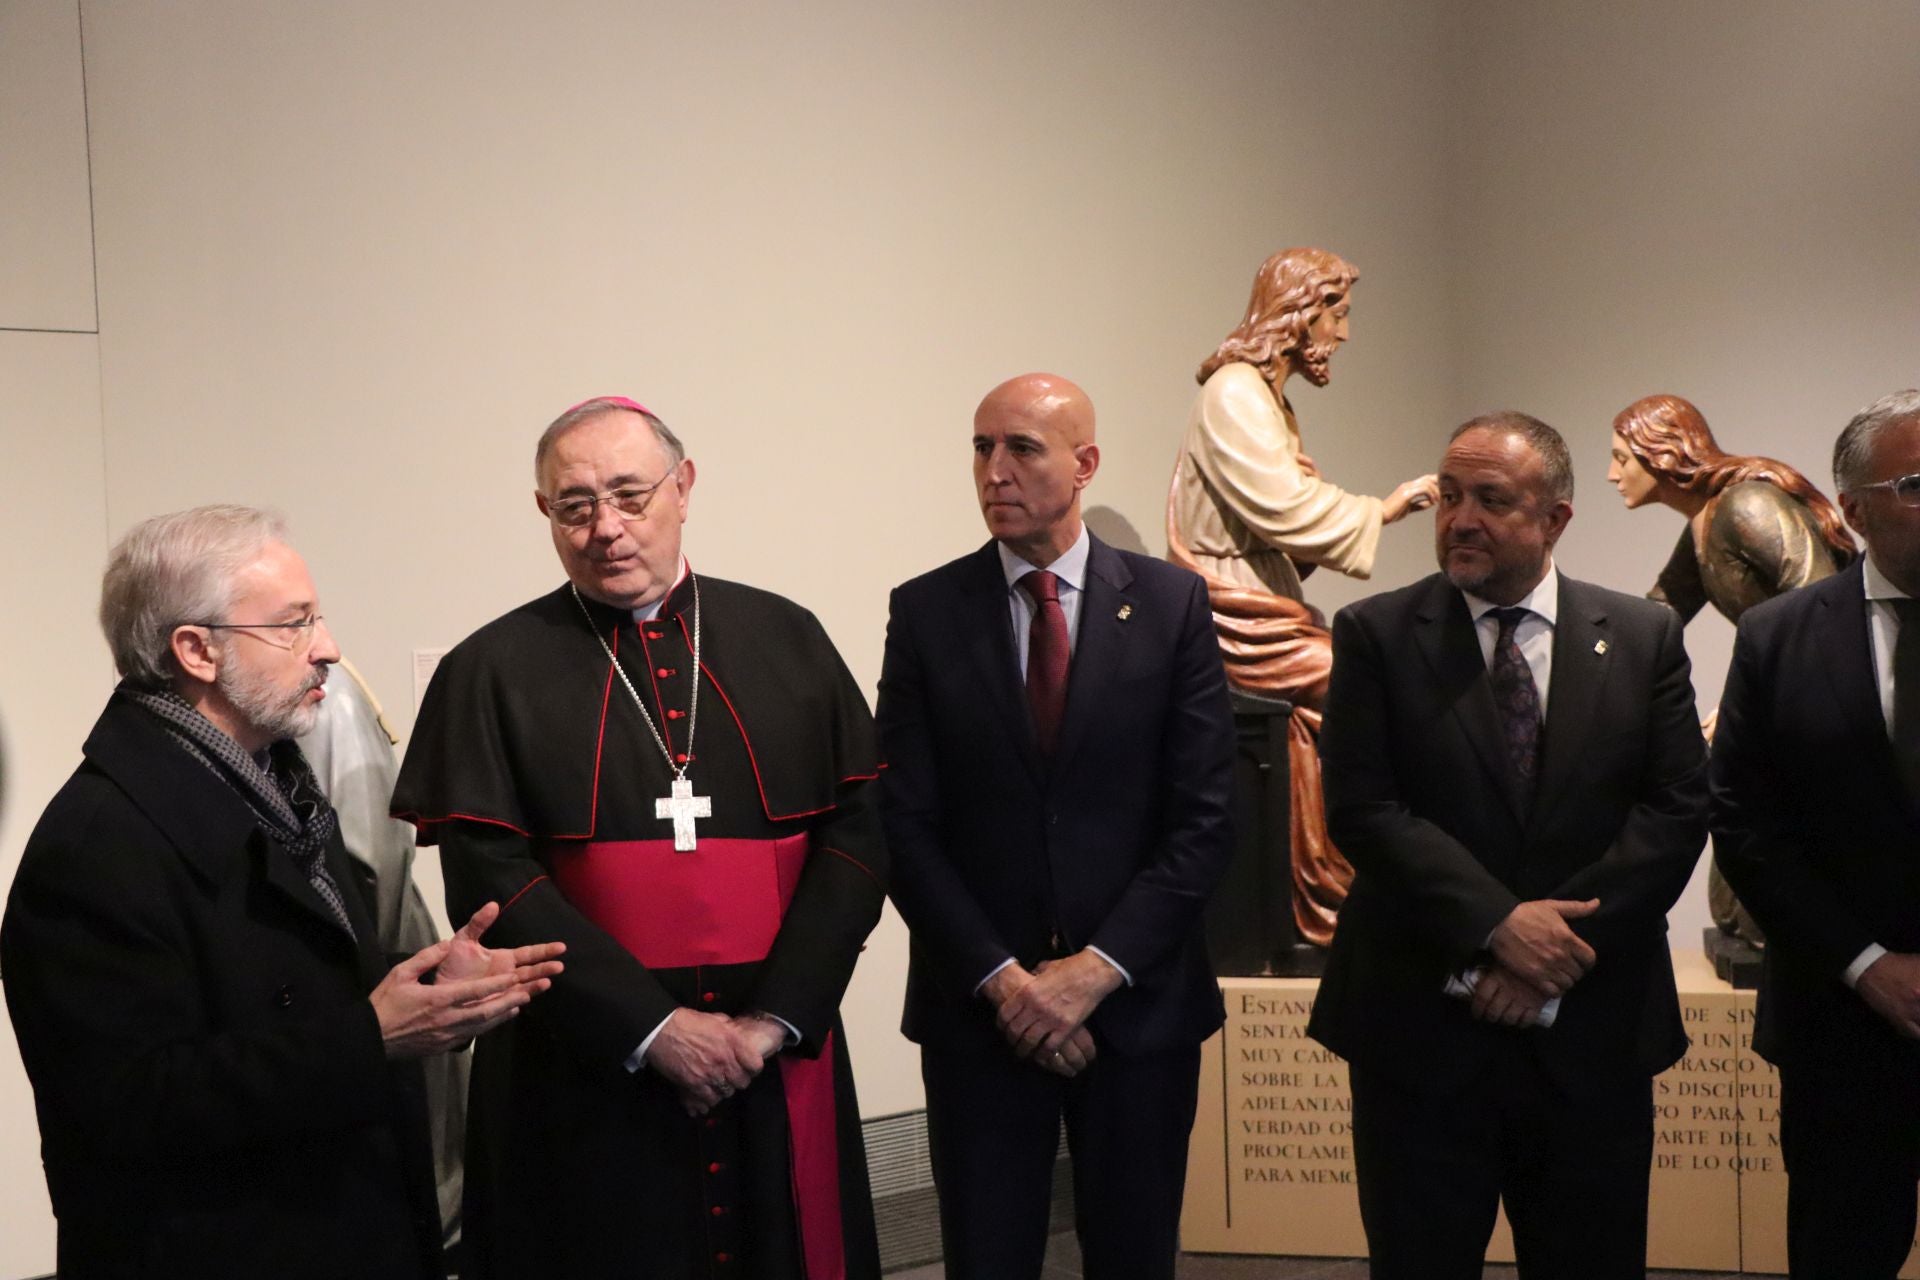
278	785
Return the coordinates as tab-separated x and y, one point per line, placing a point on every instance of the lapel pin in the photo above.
1126	611
1600	647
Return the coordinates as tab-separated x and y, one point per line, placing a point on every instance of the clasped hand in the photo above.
1537	945
1043	1013
1891	987
1505	999
475	989
709	1057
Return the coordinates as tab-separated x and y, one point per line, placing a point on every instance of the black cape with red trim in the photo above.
534	771
518	706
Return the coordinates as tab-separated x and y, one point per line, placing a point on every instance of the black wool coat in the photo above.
213	1095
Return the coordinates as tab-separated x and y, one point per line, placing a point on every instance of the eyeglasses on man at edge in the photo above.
1905	488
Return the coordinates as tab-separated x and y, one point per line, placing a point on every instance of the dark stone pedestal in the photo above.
1250	928
1735	959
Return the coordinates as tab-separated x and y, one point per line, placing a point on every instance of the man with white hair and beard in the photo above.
223	1062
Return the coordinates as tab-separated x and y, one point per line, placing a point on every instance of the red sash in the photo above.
722	903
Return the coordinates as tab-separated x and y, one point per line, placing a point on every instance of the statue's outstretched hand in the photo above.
1416	494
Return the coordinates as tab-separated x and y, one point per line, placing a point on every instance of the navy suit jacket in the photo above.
1115	843
1421	799
1811	824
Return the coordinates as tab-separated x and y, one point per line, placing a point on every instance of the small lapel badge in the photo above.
1126	611
1600	647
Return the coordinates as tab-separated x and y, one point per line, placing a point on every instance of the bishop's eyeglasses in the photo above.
629	502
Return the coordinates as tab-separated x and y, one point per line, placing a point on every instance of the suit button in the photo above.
284	997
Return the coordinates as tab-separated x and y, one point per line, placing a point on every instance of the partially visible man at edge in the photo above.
222	1060
673	774
1816	824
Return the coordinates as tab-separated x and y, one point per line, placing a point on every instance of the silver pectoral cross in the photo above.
683	807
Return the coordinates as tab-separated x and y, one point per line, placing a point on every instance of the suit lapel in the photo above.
1582	657
286	879
989	643
1097	647
1443	631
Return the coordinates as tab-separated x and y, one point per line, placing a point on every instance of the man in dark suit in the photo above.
1816	824
1514	768
1054	718
222	1062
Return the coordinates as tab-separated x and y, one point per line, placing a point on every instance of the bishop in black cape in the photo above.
534	771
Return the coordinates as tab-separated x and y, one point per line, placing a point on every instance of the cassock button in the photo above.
717	1211
708	996
712	1121
656	635
663	672
715	1167
680	758
676	715
723	1257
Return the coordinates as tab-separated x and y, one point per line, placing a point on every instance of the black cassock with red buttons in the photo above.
535	771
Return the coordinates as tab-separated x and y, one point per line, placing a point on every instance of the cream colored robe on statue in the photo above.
351	751
1240	513
1245	509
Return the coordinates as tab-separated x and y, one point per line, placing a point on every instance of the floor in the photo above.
1063	1263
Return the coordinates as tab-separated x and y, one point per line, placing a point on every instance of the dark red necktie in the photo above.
1046	657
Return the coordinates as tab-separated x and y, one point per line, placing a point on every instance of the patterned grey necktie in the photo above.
1518	700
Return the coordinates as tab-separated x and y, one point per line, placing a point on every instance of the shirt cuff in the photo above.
793	1033
1117	966
638	1058
1862	962
978	986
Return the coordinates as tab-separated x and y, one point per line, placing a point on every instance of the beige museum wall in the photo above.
1714	200
54	672
350	257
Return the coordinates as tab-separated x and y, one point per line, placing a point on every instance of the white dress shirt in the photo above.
1533	633
1883	630
1070	568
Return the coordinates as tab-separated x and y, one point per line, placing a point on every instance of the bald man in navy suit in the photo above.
1054	718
